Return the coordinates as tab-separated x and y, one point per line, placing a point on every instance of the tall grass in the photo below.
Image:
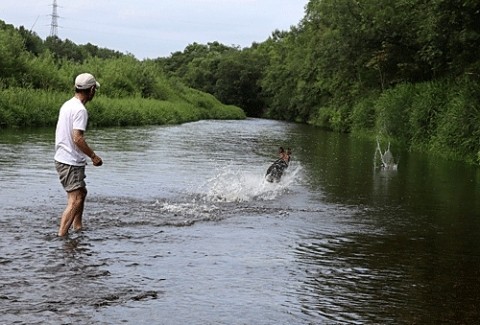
428	104
393	108
335	118
457	132
363	115
441	117
21	107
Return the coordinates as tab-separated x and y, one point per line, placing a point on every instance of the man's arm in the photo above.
81	143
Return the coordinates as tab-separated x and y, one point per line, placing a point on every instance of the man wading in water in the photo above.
71	151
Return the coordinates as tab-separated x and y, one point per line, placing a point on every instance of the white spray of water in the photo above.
386	158
233	185
229	185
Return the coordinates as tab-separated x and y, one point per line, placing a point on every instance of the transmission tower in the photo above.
54	24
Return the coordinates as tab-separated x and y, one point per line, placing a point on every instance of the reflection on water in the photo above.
182	228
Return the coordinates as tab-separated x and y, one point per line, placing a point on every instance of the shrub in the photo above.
392	111
363	115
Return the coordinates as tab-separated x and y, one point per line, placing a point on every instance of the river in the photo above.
182	228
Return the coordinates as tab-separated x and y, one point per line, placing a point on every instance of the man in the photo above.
71	151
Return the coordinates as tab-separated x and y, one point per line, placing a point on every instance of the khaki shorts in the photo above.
71	177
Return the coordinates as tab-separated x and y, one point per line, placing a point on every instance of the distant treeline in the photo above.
407	71
37	76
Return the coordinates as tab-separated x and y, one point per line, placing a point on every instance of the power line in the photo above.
54	24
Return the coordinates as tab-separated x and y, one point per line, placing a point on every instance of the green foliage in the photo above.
429	102
13	58
37	77
227	73
393	108
439	116
43	73
67	50
458	130
119	77
196	105
405	70
363	115
285	64
21	107
335	118
448	34
237	81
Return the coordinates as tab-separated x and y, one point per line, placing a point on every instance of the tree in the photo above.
33	43
13	58
238	81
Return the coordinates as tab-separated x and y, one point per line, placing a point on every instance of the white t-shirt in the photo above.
73	116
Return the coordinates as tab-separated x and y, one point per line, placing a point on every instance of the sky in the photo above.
156	28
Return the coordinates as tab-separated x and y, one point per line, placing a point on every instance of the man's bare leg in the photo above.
77	221
73	212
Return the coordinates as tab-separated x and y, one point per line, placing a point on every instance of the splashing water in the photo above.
232	185
386	158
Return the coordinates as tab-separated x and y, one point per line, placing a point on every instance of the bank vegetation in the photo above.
406	71
37	76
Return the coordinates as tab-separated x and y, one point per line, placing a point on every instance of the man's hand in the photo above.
96	160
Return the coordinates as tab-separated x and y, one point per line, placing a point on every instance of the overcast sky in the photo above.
156	28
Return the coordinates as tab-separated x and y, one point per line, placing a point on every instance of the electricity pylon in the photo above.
54	24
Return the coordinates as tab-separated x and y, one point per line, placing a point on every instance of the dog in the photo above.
277	169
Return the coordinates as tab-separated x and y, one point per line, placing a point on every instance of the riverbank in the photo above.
439	117
20	107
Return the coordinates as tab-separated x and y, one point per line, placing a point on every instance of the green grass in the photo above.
441	117
21	107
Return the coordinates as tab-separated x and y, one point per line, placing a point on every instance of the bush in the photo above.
428	102
363	115
392	111
458	131
28	107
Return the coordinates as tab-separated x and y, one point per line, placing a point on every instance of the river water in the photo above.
182	228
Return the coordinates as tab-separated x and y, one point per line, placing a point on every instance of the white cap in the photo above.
85	81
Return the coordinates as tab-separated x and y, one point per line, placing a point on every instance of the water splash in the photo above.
385	158
189	213
232	185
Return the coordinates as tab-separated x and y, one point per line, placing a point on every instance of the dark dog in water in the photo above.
276	170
